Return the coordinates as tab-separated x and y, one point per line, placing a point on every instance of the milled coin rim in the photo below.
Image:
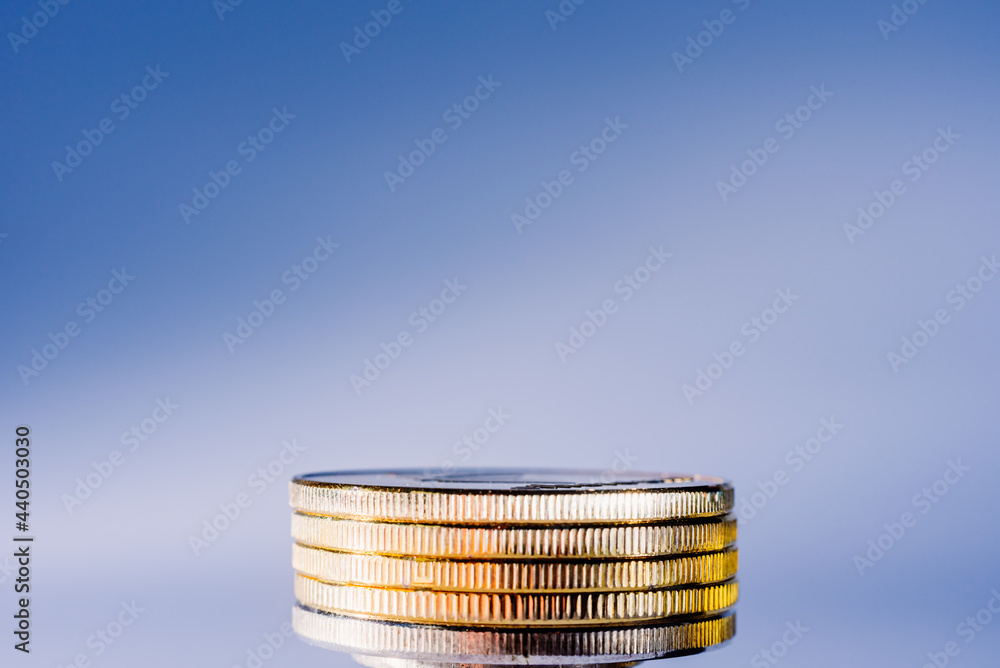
406	572
537	646
504	609
490	542
643	499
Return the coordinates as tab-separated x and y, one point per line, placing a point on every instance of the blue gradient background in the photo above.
495	346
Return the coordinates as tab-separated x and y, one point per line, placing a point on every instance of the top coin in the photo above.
510	496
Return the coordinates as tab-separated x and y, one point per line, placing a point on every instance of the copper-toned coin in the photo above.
484	542
510	575
514	609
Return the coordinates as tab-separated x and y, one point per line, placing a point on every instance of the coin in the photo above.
510	646
512	576
482	542
514	609
510	496
417	569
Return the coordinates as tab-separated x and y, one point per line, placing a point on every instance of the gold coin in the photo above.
509	646
514	609
480	542
512	576
514	496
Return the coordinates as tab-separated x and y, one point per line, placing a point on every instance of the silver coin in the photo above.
514	496
427	643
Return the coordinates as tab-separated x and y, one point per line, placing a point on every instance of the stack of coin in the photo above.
526	566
